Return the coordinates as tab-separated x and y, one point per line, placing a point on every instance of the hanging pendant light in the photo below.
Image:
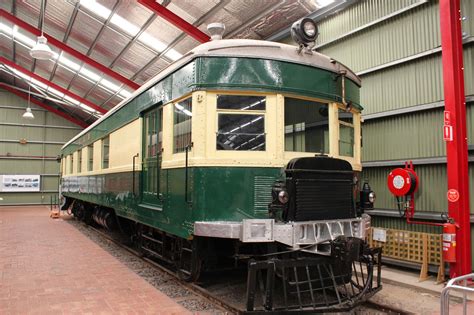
28	114
41	50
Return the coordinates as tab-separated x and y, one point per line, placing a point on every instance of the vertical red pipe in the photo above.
456	149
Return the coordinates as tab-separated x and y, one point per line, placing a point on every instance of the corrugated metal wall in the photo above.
395	47
44	136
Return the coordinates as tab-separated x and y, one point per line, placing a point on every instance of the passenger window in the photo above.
90	157
154	131
79	161
71	164
346	133
105	152
241	123
306	126
182	125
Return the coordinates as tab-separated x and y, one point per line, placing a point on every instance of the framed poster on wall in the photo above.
20	183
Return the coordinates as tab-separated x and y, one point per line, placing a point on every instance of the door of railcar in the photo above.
152	156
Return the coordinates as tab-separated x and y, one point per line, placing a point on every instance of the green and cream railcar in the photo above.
197	151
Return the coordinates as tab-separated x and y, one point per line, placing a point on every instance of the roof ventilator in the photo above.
216	30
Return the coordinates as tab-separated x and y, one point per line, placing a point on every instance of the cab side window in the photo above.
182	125
241	123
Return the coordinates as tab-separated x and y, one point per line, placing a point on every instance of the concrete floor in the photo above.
48	267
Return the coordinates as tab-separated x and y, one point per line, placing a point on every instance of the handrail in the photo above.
133	175
186	174
461	284
158	172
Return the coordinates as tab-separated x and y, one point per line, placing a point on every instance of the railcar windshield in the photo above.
182	125
346	133
306	126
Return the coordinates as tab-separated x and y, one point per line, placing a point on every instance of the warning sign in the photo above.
453	195
448	133
447	117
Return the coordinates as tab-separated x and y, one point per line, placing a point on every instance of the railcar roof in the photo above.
245	48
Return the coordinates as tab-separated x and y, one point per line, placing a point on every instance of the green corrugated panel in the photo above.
470	123
25	198
11	166
468	59
14	115
40	133
411	83
30	149
467	9
358	15
431	195
49	182
415	135
402	36
400	224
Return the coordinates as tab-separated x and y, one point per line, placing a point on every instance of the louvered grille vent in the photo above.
262	193
323	199
319	188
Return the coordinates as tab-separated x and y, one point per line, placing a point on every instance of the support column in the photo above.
455	132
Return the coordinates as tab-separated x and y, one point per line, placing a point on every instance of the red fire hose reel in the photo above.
403	183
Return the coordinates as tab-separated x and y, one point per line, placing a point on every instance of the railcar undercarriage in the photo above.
279	278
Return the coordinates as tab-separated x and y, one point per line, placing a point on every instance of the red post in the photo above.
174	19
455	122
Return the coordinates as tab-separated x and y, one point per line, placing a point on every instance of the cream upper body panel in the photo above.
126	142
246	48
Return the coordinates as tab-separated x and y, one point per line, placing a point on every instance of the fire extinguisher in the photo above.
449	242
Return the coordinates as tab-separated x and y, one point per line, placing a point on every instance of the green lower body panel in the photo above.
212	194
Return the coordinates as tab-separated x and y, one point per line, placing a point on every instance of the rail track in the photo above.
222	297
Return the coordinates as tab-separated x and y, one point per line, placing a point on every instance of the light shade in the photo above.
41	50
28	114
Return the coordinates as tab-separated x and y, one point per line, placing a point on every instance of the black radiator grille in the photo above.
323	199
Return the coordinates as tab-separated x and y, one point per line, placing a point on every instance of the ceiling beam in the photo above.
45	106
51	84
76	54
174	19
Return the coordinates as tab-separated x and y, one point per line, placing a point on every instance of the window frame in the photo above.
344	123
71	164
172	106
79	161
330	124
256	112
103	145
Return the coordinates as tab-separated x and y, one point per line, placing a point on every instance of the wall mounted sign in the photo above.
20	183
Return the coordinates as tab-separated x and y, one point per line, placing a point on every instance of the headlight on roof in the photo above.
304	32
